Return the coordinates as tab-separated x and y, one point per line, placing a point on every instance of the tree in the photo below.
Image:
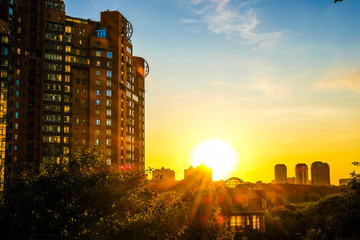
87	199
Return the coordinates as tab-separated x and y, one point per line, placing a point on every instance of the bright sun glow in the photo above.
217	155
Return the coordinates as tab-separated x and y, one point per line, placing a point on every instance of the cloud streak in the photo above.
340	79
235	21
272	90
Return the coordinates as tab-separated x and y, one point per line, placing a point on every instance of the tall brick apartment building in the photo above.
69	83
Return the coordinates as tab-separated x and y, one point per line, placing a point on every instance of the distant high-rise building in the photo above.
200	173
280	173
301	174
291	180
344	181
163	175
320	174
72	83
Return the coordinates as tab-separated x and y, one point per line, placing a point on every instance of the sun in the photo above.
217	155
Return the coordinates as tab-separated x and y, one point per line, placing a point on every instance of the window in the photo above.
81	32
66	119
97	141
55	6
67	88
68	39
67	78
53	57
97	82
54	27
66	150
67	98
98	73
101	33
108	112
109	54
98	63
108	93
51	118
4	39
77	120
66	129
109	64
97	111
53	77
108	142
51	139
67	109
16	115
97	122
108	83
66	140
97	102
68	29
52	97
54	37
108	122
108	103
53	46
128	49
68	49
67	68
4	51
97	132
98	53
109	74
97	92
51	128
53	67
52	108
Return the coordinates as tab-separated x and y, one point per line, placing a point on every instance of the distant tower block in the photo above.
320	174
301	173
280	173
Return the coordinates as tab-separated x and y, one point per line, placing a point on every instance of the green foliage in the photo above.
333	217
314	234
87	199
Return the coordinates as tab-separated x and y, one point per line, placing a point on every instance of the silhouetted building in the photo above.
245	209
163	174
280	173
291	180
72	83
344	181
320	174
200	173
301	174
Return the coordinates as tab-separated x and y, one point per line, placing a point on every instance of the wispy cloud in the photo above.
340	79
235	19
272	90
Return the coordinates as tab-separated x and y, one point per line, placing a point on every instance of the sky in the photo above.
278	80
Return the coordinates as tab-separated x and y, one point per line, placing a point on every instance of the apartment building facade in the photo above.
72	83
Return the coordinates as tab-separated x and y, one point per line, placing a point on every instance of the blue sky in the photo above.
279	80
